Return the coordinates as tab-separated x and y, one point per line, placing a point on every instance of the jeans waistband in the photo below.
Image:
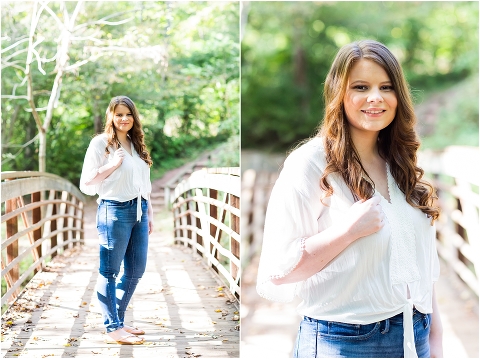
396	318
132	201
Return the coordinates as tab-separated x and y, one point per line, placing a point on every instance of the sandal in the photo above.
133	330
124	340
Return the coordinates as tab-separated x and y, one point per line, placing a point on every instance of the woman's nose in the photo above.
375	96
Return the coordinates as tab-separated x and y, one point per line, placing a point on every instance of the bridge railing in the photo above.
42	215
455	173
206	209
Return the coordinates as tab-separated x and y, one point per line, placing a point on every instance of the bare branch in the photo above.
21	146
103	20
12	157
14	90
33	25
15	97
77	64
74	15
13	45
14	54
115	22
37	109
13	64
66	17
39	62
50	11
35	114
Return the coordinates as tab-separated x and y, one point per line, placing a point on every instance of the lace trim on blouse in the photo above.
403	255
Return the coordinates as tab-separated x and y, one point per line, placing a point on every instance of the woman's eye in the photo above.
360	87
387	88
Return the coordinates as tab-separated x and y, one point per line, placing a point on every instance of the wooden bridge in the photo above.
455	174
187	300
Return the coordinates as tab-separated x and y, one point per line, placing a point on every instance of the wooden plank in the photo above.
178	303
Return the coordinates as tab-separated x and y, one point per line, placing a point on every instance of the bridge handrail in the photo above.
200	206
54	202
453	171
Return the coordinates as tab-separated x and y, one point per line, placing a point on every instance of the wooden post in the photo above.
213	193
234	245
189	220
26	222
53	228
36	217
198	224
80	223
12	249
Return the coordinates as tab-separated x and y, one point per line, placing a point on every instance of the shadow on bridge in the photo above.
182	304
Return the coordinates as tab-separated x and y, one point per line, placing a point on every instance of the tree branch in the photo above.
77	64
14	45
50	11
35	114
102	20
14	54
39	62
74	15
13	97
37	109
13	64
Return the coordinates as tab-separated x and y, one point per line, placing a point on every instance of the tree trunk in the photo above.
42	150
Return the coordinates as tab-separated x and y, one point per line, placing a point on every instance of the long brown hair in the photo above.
397	143
135	133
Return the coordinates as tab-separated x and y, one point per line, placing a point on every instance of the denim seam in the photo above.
353	337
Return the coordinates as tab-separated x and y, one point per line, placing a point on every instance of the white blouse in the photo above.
130	180
370	280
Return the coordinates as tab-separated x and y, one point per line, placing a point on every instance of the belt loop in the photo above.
387	326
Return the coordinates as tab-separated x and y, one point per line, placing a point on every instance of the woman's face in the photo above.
122	118
370	101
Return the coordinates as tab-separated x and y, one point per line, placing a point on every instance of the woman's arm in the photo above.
150	217
436	331
108	169
362	219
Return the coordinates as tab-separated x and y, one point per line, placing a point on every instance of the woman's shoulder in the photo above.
310	153
99	140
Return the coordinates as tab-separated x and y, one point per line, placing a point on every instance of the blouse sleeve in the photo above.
435	261
94	159
292	216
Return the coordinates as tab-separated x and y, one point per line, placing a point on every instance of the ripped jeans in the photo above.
122	238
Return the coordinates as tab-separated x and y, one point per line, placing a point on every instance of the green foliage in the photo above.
288	48
178	61
457	121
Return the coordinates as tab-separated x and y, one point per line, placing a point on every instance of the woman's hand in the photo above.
436	346
436	330
150	217
118	156
365	217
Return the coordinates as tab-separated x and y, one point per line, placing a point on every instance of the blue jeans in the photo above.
323	339
122	238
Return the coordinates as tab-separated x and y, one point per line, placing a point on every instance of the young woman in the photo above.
349	225
117	167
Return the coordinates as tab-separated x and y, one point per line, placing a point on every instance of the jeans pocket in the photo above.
346	331
306	343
